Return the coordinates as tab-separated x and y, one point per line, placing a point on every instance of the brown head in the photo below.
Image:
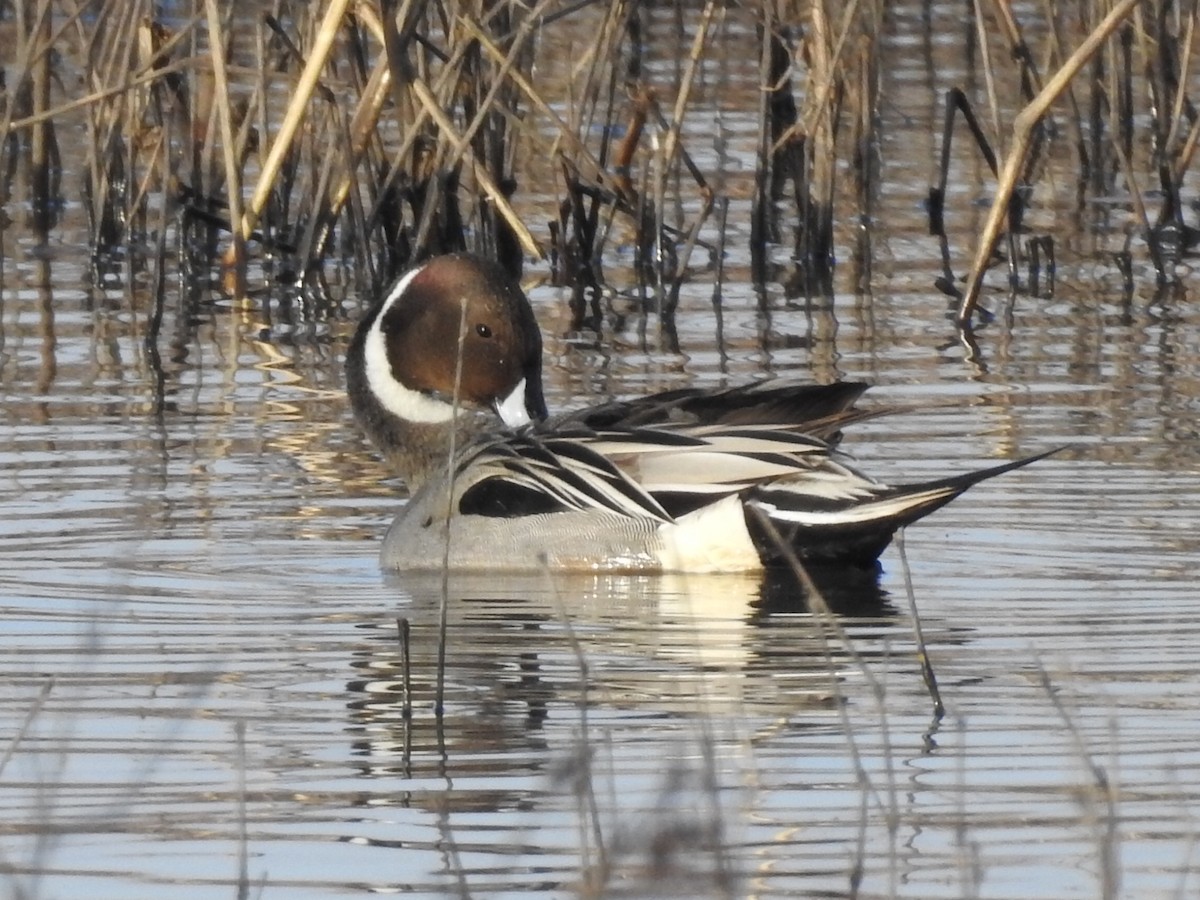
406	352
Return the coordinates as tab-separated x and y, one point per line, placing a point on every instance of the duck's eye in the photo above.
483	331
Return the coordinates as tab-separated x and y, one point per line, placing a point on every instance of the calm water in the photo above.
202	687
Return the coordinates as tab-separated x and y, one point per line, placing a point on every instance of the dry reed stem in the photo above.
1031	81
30	715
820	119
594	170
827	70
451	473
585	174
706	194
478	171
1104	788
243	838
294	116
989	75
96	96
132	152
158	153
404	636
626	148
589	795
113	125
1024	125
429	108
499	79
688	79
596	56
362	129
1184	161
1139	205
826	620
927	673
416	118
1177	109
233	177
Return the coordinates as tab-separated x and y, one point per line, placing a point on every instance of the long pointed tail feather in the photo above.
858	530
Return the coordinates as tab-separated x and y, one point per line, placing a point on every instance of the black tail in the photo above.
857	531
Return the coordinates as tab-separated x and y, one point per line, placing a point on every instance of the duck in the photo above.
444	375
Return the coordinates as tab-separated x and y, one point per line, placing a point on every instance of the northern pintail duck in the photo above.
680	481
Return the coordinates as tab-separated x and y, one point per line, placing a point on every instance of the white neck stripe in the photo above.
399	288
401	401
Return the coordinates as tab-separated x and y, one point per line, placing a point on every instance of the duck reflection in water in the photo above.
523	649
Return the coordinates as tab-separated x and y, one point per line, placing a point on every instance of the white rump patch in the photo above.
713	538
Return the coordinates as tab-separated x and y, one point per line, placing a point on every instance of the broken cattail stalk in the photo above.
1024	125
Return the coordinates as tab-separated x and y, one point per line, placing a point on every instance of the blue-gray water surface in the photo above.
202	688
